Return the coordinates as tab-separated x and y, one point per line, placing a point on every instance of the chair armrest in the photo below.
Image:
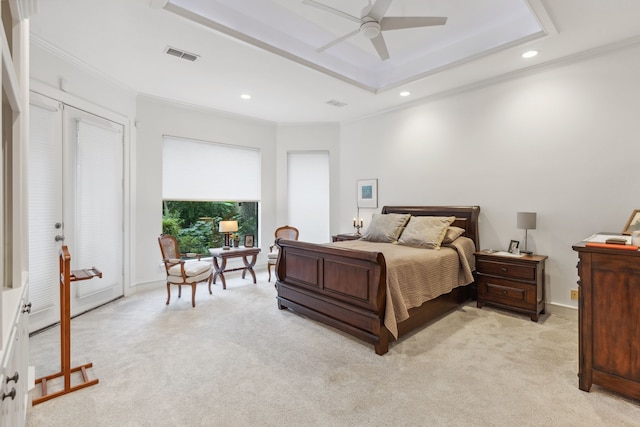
170	262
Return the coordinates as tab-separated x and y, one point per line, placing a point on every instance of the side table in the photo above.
514	283
224	254
344	237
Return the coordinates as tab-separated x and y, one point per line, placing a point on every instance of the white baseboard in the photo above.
560	310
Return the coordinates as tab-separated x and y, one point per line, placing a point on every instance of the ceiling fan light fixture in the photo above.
370	29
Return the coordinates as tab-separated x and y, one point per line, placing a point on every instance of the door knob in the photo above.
59	238
58	225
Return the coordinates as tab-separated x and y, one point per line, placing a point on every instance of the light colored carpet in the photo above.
236	360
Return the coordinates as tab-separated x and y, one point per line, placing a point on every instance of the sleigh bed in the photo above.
353	286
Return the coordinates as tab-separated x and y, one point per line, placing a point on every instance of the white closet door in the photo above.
45	209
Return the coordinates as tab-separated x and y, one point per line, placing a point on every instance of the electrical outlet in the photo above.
574	294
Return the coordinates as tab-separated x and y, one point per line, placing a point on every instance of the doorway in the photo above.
76	194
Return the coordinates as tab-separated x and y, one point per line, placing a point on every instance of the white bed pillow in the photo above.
425	231
385	228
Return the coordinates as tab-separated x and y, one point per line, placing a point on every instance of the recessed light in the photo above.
530	54
245	96
405	93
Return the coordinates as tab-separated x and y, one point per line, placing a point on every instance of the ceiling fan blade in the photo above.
379	9
331	10
335	42
381	47
400	22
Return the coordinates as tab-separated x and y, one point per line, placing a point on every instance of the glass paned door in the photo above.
86	199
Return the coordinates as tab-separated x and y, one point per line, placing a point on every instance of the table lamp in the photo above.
227	227
526	221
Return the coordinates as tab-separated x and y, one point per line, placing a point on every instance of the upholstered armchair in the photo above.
285	232
180	272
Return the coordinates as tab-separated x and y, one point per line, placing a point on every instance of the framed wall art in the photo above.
248	241
368	193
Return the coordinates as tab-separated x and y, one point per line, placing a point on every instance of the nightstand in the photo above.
513	283
347	236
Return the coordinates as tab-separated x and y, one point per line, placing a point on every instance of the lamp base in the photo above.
526	252
226	248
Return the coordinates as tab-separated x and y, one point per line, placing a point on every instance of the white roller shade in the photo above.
308	194
99	203
45	202
205	171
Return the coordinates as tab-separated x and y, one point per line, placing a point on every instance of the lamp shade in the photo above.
526	220
228	226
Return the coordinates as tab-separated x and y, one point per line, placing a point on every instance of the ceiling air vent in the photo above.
181	54
336	103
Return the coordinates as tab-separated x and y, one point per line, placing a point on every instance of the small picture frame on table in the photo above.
248	241
513	247
633	224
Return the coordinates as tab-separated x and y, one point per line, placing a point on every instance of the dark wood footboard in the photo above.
346	288
343	288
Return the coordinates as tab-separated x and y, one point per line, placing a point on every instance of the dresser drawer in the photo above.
507	270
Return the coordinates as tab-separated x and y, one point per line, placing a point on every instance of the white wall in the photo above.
156	118
562	142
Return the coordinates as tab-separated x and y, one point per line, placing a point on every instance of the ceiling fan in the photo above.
373	22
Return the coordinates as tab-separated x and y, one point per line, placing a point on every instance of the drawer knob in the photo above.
13	378
504	269
11	394
504	292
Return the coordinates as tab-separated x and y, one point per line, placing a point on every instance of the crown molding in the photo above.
54	50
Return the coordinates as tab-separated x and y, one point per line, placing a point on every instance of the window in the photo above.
195	224
204	183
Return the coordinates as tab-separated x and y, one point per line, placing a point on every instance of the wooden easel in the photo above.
66	277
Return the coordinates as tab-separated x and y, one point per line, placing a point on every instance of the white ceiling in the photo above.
267	48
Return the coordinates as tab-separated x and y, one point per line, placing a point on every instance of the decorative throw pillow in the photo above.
385	228
452	234
426	231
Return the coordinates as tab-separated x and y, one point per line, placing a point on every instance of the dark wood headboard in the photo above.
466	216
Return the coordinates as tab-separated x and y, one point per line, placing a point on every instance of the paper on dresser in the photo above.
602	238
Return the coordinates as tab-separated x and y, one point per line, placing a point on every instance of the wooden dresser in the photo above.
609	319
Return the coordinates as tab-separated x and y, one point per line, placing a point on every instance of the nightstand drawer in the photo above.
507	270
515	294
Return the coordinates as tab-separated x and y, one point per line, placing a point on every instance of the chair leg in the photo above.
210	280
168	292
193	294
179	291
269	270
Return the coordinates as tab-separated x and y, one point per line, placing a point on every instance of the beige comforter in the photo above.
417	275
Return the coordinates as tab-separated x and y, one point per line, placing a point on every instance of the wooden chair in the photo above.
180	272
285	232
